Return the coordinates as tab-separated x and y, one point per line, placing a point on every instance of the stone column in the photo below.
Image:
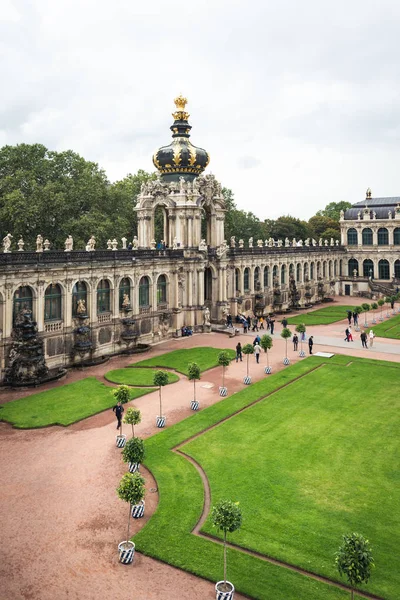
374	237
200	287
190	289
67	303
40	305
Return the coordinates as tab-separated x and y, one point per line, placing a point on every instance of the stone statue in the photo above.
374	215
271	242
337	242
359	215
181	185
241	243
341	215
126	303
294	242
91	244
7	242
124	240
153	244
320	242
314	242
250	242
307	242
260	243
389	214
142	189
326	242
21	245
175	243
332	242
109	246
233	242
206	316
300	243
39	243
46	244
287	242
196	185
135	243
203	246
280	243
81	307
355	273
114	244
69	244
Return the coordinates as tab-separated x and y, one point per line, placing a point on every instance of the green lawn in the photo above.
389	328
310	462
322	316
178	360
139	376
62	405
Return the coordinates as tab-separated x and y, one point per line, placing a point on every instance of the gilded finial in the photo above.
180	102
180	114
369	193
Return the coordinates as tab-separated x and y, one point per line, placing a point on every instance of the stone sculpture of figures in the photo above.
125	301
241	243
196	185
280	243
233	242
114	244
389	214
314	242
135	243
39	243
320	242
260	243
69	244
153	244
90	246
332	242
46	244
21	245
374	215
307	242
174	243
81	307
294	242
109	246
300	243
250	242
271	242
203	245
206	316
182	185
326	242
7	242
359	215
341	215
355	272
124	240
287	242
337	242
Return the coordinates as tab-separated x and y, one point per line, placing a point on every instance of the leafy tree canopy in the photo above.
332	210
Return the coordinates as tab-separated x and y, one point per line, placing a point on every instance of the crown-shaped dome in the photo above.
180	158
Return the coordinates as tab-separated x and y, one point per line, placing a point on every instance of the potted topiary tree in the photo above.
194	375
266	344
247	349
301	329
358	310
365	306
160	379
131	490
226	517
354	560
121	394
286	334
388	300
381	302
374	306
224	361
133	454
132	417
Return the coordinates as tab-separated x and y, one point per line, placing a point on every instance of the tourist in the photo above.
310	343
257	351
295	341
261	323
272	325
248	322
255	324
350	334
371	338
284	323
349	315
355	318
118	409
257	340
239	352
347	334
363	338
303	335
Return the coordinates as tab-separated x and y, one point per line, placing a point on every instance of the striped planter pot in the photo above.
160	422
374	321
381	318
268	370
133	467
120	440
126	551
357	328
286	361
223	391
302	354
194	405
222	595
137	510
247	380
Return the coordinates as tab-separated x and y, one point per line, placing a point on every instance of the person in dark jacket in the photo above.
118	409
310	344
239	352
364	338
295	341
284	323
272	325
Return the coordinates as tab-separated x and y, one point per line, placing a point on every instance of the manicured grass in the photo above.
322	316
307	463
141	377
178	360
62	405
389	328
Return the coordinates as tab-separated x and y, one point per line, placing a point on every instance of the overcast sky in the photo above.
298	103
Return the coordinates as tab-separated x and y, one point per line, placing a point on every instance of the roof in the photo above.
381	206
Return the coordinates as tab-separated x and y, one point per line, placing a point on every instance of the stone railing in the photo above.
104	318
51	326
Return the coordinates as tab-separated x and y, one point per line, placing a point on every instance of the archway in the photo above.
208	285
161	226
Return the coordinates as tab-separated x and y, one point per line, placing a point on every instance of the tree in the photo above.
301	329
365	306
319	225
193	375
381	302
133	451
289	227
132	417
131	490
122	394
266	344
286	334
374	306
248	349
160	379
354	560
224	361
332	210
226	517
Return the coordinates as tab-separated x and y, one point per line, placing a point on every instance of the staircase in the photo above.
387	289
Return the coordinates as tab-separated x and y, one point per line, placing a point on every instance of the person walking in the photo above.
255	324
284	323
257	340
295	341
371	338
257	351
261	323
303	335
349	315
272	325
310	343
355	319
347	333
363	338
118	409
350	334
239	352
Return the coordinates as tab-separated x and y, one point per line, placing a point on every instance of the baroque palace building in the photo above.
105	301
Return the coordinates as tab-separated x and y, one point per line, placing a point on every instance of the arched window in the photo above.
237	280
298	272
367	238
340	267
396	236
208	284
368	268
312	271
124	291
79	292
103	296
383	269
23	300
162	290
352	266
335	268
266	277
324	269
52	303
246	279
383	236
257	281
274	273
283	274
305	271
330	269
318	270
397	269
144	292
352	238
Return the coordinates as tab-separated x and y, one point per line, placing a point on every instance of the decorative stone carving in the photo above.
203	246
39	243
314	242
287	242
206	316
341	215
21	245
320	242
326	242
280	243
271	242
307	242
332	242
109	244
135	243
81	307
153	244
337	242
7	243
90	246
250	242
46	245
174	243
260	244
69	244
114	244
233	242
124	240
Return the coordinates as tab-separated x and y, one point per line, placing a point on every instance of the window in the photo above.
312	271
274	274
144	292
237	281
103	297
396	236
352	266
79	292
283	274
298	272
324	269
383	268
397	269
23	300
368	268
162	290
305	271
124	291
318	270
52	303
383	236
352	237
367	238
266	277
335	268
256	277
246	279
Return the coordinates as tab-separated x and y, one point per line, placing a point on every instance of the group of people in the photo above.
256	346
256	323
354	316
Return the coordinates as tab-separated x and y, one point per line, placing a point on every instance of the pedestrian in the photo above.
303	335
239	352
245	326
257	351
268	322
284	323
347	333
350	334
118	409
355	319
248	322
261	323
295	341
371	338
363	338
257	340
272	325
349	315
255	324
310	343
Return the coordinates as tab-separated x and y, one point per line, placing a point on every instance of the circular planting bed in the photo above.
140	376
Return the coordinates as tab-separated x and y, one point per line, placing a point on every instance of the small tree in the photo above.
224	361
226	517
248	349
366	307
122	394
301	329
381	302
388	300
131	490
374	306
160	379
354	560
286	334
266	344
133	417
133	451
193	375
